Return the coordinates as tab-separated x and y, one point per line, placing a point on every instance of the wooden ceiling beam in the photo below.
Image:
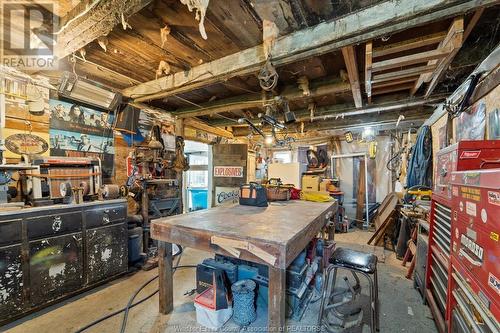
453	42
291	93
201	125
367	24
77	31
409	44
457	42
349	54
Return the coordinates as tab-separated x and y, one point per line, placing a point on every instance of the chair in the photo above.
356	262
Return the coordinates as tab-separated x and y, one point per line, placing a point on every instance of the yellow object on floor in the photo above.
315	196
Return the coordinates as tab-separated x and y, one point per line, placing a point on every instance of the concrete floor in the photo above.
401	306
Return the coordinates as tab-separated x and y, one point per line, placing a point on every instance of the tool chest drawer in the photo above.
98	217
54	224
10	231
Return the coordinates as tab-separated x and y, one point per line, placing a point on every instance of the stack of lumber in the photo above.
385	219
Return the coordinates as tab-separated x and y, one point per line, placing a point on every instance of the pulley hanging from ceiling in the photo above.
268	77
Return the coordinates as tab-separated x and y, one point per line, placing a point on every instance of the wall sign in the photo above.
226	195
228	171
26	144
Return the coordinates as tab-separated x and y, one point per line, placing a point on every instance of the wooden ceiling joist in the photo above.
411	59
409	44
201	125
457	42
78	30
410	72
389	89
291	93
360	26
453	41
351	64
394	82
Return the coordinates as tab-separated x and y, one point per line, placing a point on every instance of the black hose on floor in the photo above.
130	303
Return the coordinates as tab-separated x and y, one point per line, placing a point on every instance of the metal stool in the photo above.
356	262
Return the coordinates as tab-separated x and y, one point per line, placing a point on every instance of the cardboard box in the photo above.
310	182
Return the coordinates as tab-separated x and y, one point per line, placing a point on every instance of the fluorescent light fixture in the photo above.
82	90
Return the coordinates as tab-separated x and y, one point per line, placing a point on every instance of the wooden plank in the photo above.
458	40
409	44
368	70
409	60
165	277
277	299
97	22
455	29
201	125
402	73
366	24
360	197
351	63
395	82
389	89
386	208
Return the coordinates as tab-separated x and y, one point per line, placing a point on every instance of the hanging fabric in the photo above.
420	166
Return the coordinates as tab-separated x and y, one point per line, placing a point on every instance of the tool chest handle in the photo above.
485	162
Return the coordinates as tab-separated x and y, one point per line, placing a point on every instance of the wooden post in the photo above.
277	293
165	272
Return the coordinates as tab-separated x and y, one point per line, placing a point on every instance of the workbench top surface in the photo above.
279	223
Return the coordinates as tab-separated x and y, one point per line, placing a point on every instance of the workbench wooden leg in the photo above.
277	309
165	273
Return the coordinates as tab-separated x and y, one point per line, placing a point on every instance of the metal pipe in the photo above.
378	109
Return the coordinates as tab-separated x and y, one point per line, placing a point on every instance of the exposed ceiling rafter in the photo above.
366	24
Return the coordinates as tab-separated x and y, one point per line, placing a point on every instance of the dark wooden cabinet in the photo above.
106	255
50	253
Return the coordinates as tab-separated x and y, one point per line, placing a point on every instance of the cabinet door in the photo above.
107	252
11	281
56	267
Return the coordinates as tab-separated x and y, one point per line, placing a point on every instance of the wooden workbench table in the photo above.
273	236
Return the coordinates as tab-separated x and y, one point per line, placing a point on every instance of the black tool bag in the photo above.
253	194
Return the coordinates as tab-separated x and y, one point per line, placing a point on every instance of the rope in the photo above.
244	302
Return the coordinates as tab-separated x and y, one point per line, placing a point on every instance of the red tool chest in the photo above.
463	156
475	264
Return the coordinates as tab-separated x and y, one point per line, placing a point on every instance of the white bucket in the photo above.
213	319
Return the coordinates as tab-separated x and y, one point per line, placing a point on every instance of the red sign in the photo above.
228	171
470	154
